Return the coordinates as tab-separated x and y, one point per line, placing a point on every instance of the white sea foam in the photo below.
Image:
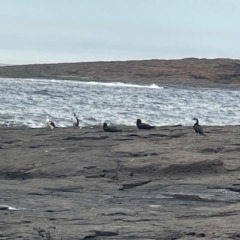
120	84
26	102
107	84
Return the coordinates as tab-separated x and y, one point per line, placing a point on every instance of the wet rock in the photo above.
107	233
135	183
176	185
234	189
3	208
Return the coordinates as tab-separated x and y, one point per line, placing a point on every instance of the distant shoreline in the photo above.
221	73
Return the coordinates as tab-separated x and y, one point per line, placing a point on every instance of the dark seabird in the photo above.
50	124
141	125
75	120
197	128
110	129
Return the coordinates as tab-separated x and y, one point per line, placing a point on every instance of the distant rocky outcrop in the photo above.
185	71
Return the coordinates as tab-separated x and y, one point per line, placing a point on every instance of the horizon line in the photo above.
128	60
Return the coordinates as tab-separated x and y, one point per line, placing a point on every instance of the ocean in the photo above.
27	102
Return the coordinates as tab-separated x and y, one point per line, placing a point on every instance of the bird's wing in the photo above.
52	123
145	125
198	129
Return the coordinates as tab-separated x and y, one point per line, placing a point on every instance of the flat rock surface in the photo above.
189	71
164	183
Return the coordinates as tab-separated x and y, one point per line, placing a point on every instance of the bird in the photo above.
106	128
197	128
75	120
50	124
141	125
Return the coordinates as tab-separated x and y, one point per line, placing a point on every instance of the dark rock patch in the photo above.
134	184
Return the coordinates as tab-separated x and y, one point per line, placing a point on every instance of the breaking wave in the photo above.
26	102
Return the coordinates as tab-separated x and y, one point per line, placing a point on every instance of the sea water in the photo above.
27	102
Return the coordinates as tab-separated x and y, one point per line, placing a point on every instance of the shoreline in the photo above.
208	73
121	126
170	83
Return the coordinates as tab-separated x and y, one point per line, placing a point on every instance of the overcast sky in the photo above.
45	31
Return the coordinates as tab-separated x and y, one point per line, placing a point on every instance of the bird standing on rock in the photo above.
106	128
197	128
141	125
75	120
50	124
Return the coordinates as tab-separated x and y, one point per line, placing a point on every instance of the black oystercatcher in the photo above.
50	124
75	120
197	128
110	129
141	125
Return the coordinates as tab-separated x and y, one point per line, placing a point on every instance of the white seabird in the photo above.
75	120
50	124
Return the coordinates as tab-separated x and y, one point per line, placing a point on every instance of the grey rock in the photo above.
66	184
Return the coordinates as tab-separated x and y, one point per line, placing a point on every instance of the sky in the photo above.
53	31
